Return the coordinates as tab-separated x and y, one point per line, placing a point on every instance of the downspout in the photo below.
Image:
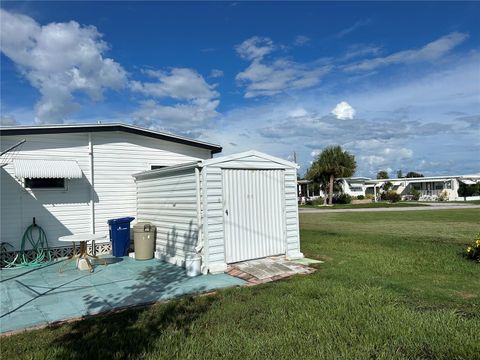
200	245
92	186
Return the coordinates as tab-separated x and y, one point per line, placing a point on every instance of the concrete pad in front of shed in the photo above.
269	268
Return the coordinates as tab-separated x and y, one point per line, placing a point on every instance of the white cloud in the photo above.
267	79
216	73
270	77
59	59
355	26
188	118
360	50
194	113
314	153
301	40
7	120
255	47
178	83
343	111
401	153
423	127
298	112
373	160
431	51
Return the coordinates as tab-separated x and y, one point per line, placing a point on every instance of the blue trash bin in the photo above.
120	235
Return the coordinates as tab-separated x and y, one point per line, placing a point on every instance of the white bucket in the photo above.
193	265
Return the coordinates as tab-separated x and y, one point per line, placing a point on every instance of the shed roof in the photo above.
76	128
217	161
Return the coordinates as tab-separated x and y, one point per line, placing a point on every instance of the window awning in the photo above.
47	169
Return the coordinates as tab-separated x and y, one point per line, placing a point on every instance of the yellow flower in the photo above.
469	250
477	243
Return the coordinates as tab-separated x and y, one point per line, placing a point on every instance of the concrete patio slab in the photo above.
39	296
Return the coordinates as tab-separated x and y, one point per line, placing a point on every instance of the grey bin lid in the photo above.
144	227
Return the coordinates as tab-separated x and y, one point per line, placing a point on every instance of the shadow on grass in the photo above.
132	332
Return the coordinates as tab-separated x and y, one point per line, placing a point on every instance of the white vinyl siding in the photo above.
268	226
170	203
58	211
117	155
212	214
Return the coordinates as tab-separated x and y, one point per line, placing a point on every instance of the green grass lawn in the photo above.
381	204
393	286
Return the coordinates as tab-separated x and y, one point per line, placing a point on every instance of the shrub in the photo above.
318	201
342	199
473	250
360	197
443	196
415	194
392	196
370	196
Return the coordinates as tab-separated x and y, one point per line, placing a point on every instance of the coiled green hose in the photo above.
38	244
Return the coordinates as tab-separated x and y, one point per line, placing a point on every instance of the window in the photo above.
58	183
155	167
355	188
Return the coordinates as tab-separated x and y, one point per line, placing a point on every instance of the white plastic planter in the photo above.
193	266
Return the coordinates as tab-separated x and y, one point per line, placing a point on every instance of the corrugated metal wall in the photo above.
254	214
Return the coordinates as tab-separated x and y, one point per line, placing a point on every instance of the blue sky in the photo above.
397	84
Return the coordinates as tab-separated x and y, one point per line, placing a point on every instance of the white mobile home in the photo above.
226	209
428	187
353	186
73	178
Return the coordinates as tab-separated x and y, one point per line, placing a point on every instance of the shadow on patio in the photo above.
45	295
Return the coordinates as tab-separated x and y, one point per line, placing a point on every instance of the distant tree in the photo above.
387	186
319	177
333	162
469	190
382	174
399	174
413	174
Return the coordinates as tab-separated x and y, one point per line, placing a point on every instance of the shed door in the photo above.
254	215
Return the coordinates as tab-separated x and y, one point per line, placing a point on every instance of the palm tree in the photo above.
334	162
317	175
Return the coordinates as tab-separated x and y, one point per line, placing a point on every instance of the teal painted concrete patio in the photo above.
40	296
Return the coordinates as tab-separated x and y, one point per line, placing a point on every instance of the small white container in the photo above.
193	265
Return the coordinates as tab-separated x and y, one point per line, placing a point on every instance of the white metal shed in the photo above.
227	209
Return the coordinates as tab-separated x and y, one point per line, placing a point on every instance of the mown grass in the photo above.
393	286
381	204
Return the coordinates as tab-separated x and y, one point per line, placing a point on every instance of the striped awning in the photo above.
47	169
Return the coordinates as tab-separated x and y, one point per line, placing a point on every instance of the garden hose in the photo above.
38	244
